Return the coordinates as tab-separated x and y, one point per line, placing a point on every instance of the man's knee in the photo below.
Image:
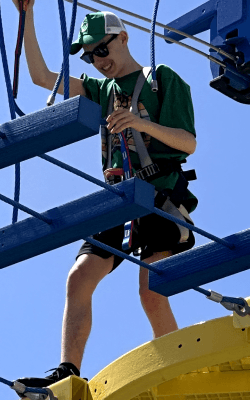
86	273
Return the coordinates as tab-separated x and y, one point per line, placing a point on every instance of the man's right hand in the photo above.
30	3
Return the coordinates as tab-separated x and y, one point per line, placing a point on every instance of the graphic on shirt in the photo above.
125	101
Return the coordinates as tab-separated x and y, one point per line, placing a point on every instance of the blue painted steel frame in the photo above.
74	221
201	265
48	129
228	21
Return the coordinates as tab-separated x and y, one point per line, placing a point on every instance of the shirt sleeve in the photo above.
176	101
92	88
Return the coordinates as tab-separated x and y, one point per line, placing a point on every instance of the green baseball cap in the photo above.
95	26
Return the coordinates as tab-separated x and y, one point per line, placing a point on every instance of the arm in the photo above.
176	138
39	72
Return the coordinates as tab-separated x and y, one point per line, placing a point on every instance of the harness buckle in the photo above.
147	172
113	175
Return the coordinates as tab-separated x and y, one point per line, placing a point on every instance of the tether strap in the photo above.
108	134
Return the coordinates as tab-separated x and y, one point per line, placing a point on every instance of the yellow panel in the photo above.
71	388
210	347
201	383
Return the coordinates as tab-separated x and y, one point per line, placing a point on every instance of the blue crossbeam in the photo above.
48	129
201	265
74	221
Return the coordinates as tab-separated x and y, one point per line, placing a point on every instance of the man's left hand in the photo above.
122	119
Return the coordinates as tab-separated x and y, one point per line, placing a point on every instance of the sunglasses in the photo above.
100	51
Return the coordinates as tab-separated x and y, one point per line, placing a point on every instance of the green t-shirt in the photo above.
171	106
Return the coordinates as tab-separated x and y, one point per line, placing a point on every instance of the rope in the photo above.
83	175
225	299
154	85
65	48
6	71
211	58
52	97
25	209
9	383
193	228
16	191
18	111
12	113
123	255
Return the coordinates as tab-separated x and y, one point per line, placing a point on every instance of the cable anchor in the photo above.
241	310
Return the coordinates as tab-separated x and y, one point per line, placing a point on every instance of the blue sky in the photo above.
32	292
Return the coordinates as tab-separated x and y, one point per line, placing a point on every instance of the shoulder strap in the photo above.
138	88
141	149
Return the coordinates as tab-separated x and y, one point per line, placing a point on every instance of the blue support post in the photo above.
228	21
74	221
48	129
201	265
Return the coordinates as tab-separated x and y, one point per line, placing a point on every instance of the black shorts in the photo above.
152	234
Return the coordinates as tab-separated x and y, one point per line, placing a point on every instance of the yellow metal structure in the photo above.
182	365
207	361
71	388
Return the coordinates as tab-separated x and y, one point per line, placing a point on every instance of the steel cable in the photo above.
211	58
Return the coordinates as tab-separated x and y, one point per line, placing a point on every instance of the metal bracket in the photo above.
241	311
23	391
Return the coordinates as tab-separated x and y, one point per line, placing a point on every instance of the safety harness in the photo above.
169	201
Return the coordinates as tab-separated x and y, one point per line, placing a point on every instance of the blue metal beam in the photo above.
228	22
48	129
201	265
74	221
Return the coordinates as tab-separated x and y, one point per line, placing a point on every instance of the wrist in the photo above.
29	12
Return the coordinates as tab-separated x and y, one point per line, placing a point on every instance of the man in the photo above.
167	124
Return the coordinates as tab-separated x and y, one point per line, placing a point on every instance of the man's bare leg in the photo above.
83	278
156	306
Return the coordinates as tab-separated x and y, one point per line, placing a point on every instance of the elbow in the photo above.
40	79
37	80
192	146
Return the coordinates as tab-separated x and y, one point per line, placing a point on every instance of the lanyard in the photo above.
128	173
22	9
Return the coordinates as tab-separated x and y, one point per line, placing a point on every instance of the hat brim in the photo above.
86	39
75	48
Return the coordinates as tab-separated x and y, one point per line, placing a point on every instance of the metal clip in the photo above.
51	100
154	86
241	311
23	391
214	296
36	396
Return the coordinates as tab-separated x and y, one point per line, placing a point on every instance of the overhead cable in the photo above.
211	58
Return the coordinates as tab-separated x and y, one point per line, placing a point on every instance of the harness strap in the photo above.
141	149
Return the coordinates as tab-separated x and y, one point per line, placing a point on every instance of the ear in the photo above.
124	37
